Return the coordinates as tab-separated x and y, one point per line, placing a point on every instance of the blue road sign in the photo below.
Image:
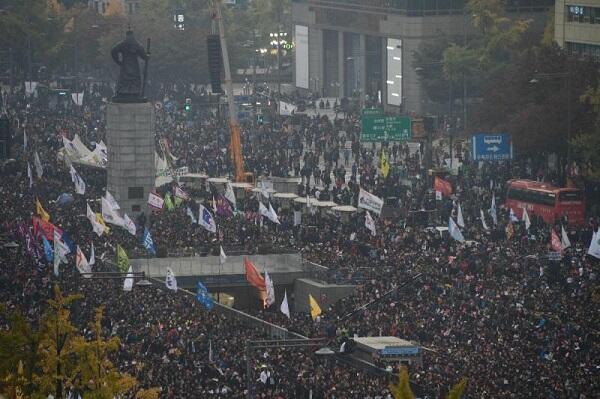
492	147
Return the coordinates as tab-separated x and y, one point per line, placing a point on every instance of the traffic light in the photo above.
188	105
215	62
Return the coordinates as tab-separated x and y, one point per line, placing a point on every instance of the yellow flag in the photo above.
510	230
40	211
315	310
385	166
100	220
122	259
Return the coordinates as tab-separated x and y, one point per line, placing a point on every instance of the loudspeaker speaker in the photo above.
215	62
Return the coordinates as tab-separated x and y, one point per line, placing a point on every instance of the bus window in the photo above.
570	196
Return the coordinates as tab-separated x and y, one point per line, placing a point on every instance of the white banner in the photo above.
370	202
301	38
155	201
286	109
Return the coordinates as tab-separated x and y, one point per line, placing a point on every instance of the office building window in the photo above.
583	49
583	14
135	193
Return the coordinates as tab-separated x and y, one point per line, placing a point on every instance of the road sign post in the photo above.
377	127
492	147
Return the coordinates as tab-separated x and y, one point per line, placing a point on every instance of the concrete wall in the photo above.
130	144
325	294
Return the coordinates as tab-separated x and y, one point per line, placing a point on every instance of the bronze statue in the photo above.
129	86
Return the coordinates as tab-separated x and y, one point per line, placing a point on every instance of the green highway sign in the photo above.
376	127
372	112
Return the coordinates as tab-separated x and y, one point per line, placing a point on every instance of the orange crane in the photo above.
236	145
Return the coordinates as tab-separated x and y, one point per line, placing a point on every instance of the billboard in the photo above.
394	72
492	147
301	37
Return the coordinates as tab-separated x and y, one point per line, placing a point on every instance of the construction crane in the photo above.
236	144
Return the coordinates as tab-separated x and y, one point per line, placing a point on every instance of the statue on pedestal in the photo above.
130	86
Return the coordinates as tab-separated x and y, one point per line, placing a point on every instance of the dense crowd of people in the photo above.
494	309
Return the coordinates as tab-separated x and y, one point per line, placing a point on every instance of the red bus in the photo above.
545	200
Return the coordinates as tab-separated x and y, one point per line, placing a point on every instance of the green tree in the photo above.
586	146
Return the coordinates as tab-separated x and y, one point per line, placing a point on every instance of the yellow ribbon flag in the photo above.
385	166
315	309
122	259
100	220
39	209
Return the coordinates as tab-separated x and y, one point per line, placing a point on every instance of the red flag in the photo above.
555	243
253	276
46	227
442	186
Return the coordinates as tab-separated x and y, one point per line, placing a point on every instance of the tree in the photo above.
458	390
586	146
402	390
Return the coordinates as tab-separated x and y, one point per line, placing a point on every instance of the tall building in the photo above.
366	47
577	27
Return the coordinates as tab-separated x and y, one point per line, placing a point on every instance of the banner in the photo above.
155	201
442	186
370	202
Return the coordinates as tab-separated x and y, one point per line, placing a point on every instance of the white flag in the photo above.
191	215
155	201
82	263
230	195
206	219
455	231
96	226
78	181
111	201
30	175
564	239
493	213
526	219
285	307
594	249
263	211
513	217
370	223
170	280
77	98
297	218
222	256
370	202
24	141
483	223
273	217
459	217
110	215
61	250
129	225
128	283
92	261
38	165
270	299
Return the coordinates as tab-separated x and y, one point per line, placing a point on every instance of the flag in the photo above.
459	217
493	213
24	141
82	264
285	307
128	283
155	201
191	215
270	298
222	256
526	219
129	225
206	220
555	241
77	180
48	250
370	202
594	248
46	227
254	278
442	186
39	209
178	201
168	202
483	223
210	351
179	193
385	166
455	231
100	222
111	201
273	217
96	226
92	261
30	175
262	209
510	230
564	239
170	280
230	195
214	204
148	243
224	207
110	215
204	297
66	238
513	217
315	310
122	259
38	165
370	223
60	252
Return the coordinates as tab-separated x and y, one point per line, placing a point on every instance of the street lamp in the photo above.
566	75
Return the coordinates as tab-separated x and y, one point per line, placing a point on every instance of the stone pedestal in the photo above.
130	144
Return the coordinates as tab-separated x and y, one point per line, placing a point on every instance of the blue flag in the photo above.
148	243
203	297
67	240
48	250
